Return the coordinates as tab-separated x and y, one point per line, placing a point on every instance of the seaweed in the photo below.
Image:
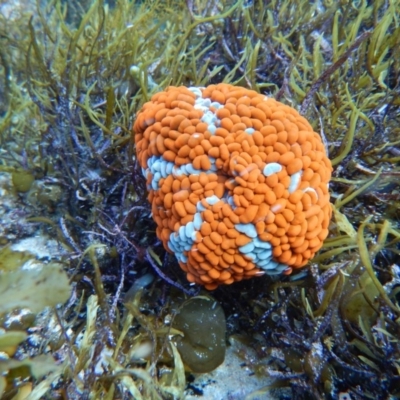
72	76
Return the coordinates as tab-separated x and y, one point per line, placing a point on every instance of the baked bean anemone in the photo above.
237	181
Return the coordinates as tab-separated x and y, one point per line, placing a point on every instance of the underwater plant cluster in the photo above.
92	306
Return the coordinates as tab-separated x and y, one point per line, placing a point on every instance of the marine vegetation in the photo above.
73	77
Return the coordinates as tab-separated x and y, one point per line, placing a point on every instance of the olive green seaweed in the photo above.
72	77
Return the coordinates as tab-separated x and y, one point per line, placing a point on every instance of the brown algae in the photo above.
73	76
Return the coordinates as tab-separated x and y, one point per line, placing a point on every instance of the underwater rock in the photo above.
238	182
203	323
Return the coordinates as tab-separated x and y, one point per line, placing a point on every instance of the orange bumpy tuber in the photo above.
238	182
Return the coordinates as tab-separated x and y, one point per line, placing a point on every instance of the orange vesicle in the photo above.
217	167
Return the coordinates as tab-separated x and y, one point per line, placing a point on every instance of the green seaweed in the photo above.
72	76
202	345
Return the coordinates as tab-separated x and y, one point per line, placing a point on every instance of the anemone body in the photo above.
238	182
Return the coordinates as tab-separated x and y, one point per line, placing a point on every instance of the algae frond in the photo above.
72	76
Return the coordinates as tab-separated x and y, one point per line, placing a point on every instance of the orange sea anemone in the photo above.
238	182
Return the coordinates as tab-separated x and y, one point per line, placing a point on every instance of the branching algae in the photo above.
72	77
